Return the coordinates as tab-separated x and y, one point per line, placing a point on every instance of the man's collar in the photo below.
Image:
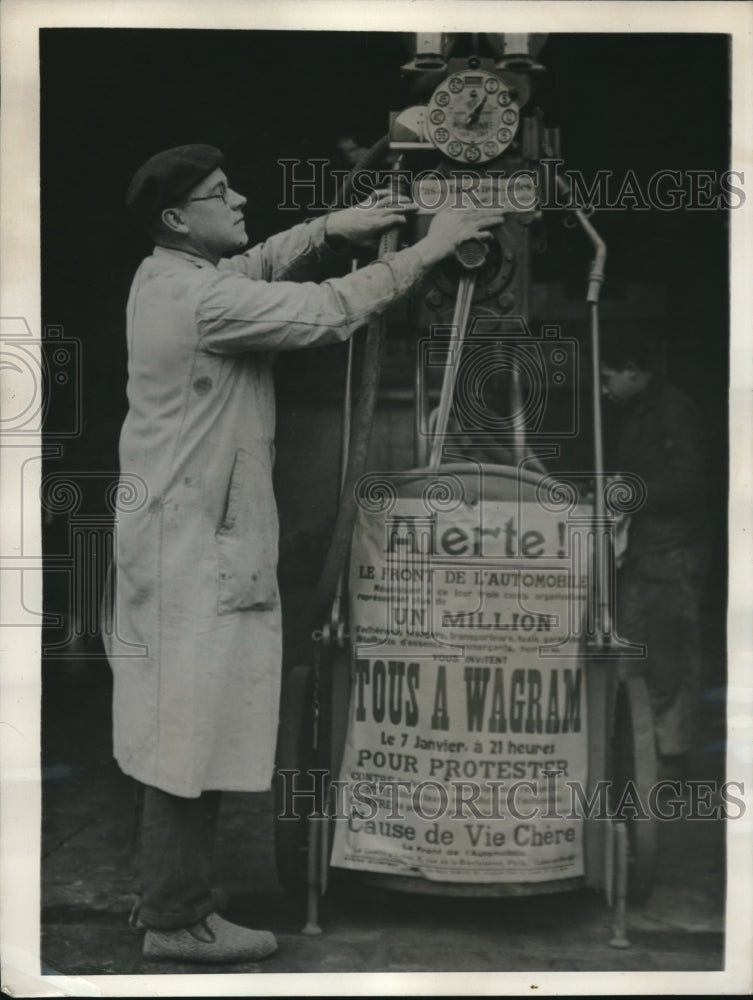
192	258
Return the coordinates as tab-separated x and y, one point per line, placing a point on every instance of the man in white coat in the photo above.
195	565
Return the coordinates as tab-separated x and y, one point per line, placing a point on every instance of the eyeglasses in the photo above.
220	193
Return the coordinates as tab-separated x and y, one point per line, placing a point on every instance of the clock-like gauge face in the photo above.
472	116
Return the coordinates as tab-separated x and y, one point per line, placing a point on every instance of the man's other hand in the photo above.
363	224
452	226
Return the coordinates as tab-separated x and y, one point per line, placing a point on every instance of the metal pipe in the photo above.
323	854
337	625
459	324
603	576
596	273
312	879
347	416
518	424
609	861
598	433
320	603
595	281
420	417
620	939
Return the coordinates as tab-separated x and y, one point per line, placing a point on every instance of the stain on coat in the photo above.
142	594
202	385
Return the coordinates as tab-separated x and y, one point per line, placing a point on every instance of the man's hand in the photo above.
454	225
363	224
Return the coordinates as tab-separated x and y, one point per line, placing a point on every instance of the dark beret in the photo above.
167	177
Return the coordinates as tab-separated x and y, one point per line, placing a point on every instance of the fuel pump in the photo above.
476	141
472	137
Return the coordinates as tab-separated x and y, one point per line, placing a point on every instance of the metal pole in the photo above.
598	433
621	848
312	880
520	448
420	415
595	280
459	324
347	418
519	428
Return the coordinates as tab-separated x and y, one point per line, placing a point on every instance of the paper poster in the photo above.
468	720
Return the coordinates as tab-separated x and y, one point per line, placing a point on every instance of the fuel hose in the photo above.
363	421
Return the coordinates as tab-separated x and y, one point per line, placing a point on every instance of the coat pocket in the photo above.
247	539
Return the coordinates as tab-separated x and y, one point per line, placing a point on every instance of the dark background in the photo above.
111	98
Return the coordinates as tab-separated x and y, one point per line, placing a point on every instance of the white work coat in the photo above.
195	584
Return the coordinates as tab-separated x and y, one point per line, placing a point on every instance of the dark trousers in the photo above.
177	841
658	597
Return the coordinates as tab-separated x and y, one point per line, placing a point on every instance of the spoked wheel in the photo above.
633	775
294	753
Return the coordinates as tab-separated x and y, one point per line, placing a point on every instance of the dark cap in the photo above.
167	177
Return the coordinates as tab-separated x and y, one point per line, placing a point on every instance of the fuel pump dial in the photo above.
472	116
